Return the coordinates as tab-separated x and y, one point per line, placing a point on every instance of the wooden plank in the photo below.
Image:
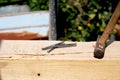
37	18
59	70
83	50
24	60
36	22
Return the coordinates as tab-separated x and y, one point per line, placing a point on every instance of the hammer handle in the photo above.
110	26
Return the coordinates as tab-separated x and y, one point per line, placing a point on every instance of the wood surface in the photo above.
24	60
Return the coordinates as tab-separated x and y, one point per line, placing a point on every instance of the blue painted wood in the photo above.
31	21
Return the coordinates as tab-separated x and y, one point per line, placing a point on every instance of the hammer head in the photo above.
99	50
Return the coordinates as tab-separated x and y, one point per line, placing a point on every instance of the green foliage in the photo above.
87	19
33	4
38	5
3	1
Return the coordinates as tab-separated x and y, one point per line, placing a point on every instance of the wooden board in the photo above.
24	60
33	22
59	70
27	48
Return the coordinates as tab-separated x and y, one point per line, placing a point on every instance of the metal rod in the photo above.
53	14
48	47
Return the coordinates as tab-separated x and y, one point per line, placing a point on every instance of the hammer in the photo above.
101	40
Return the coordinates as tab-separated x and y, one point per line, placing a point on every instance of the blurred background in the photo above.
77	20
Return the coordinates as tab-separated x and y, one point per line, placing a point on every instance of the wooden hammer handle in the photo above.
110	25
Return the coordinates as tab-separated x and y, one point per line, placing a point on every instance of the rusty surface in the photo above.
25	35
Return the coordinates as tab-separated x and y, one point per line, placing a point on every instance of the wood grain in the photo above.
59	70
32	49
24	60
